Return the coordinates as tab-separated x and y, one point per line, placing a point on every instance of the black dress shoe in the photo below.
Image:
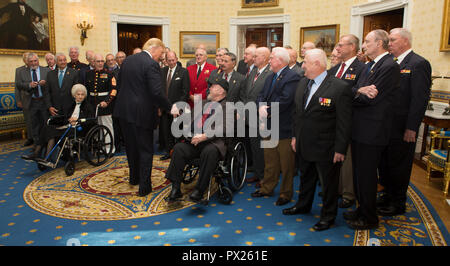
383	199
281	201
390	211
165	157
28	142
346	203
29	157
175	193
196	196
294	210
144	190
361	224
322	225
351	215
259	194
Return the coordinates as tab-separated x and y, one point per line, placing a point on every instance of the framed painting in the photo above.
190	41
324	37
27	26
259	3
445	36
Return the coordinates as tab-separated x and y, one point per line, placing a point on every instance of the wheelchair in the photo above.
229	174
95	147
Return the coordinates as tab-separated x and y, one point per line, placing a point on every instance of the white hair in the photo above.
74	47
404	33
78	87
282	54
319	55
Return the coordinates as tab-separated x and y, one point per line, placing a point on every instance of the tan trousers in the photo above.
276	160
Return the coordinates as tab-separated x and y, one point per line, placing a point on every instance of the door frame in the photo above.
358	13
138	20
237	35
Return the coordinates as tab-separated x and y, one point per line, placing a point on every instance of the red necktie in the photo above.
341	71
256	77
205	116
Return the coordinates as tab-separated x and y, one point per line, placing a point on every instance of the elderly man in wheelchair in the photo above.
78	133
205	153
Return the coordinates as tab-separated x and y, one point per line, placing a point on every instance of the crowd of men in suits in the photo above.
351	128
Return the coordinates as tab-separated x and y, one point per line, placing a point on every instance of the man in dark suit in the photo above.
60	81
140	93
32	84
254	84
349	70
279	88
206	142
176	89
74	53
322	129
411	100
371	126
235	80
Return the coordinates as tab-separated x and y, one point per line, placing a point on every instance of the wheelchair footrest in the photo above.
45	163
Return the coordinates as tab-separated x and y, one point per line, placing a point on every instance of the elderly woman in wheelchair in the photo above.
205	154
75	127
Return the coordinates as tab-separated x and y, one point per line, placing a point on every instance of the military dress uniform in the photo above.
77	65
101	86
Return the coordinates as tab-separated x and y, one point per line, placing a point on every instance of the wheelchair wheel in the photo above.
69	168
98	145
225	195
238	167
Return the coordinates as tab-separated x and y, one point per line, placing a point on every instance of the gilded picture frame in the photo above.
324	37
190	40
259	3
27	27
445	36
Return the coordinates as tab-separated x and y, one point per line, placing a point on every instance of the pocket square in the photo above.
178	78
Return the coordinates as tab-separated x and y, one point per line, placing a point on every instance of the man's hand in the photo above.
370	91
19	104
263	111
33	84
409	136
198	138
53	111
293	144
103	104
338	157
42	82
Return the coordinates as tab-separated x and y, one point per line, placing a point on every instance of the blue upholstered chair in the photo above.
439	159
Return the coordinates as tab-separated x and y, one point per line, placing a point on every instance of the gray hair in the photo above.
404	33
58	55
383	36
31	55
232	56
352	39
319	55
50	54
78	87
223	49
282	54
74	47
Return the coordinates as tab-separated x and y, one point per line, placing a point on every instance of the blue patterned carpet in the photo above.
97	207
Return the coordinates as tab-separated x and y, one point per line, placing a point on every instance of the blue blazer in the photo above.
282	92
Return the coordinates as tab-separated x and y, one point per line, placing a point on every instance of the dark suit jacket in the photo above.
323	128
412	97
179	84
242	67
140	91
282	92
60	98
23	80
235	85
372	118
252	88
352	74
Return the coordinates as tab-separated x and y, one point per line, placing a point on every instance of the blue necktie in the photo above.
273	81
36	93
60	77
369	67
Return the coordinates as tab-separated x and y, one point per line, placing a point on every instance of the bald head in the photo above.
292	56
99	62
305	47
262	55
